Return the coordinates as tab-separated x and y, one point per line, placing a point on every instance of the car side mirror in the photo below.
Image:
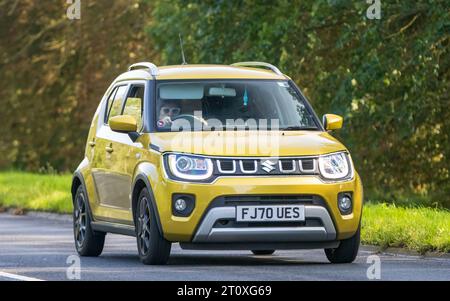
125	124
332	122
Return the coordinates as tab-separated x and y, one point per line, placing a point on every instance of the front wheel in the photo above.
347	250
153	248
87	241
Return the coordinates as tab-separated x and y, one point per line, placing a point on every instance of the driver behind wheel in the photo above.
167	112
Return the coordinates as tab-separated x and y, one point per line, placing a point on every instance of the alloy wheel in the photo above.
80	220
144	226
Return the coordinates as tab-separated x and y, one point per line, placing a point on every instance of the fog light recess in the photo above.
345	203
183	204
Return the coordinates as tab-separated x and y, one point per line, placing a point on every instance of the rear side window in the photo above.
133	105
115	103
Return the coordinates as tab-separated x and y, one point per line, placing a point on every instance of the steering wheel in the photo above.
191	117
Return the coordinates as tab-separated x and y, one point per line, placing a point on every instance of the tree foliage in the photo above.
54	72
389	78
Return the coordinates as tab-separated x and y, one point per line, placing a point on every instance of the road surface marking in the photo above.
18	277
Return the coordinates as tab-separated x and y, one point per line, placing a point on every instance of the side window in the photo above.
109	103
134	104
116	102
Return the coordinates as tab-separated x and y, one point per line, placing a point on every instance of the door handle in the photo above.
92	143
109	149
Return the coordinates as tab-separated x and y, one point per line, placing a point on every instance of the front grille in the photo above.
231	223
307	164
268	200
255	200
266	166
226	166
287	165
248	166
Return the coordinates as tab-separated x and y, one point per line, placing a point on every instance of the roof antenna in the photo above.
182	51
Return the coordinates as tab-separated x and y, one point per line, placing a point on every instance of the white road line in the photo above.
18	277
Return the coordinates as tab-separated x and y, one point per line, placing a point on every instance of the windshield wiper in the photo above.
299	128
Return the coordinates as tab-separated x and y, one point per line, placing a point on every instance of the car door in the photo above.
106	159
129	151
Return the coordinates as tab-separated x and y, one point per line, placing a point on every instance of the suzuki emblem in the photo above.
267	166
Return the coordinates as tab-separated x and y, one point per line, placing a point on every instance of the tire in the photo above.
347	250
263	252
87	242
153	248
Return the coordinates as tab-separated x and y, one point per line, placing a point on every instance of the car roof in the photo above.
175	72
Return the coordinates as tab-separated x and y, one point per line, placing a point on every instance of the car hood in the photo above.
247	143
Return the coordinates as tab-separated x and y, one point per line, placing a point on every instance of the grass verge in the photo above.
420	229
39	192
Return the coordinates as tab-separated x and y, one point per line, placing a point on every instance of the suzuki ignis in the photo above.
215	157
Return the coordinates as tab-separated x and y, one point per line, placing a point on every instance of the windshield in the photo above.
231	104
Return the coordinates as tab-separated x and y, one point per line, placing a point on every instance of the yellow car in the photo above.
215	157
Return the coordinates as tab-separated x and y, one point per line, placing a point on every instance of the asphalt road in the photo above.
34	248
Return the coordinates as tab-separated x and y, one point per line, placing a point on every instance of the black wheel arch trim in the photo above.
79	176
135	195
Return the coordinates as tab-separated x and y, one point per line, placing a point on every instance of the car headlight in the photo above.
335	166
188	167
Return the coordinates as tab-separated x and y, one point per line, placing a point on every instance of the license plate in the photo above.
279	213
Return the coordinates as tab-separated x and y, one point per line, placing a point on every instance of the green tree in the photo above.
387	77
54	72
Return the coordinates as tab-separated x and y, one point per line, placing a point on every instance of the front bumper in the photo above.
207	233
200	227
